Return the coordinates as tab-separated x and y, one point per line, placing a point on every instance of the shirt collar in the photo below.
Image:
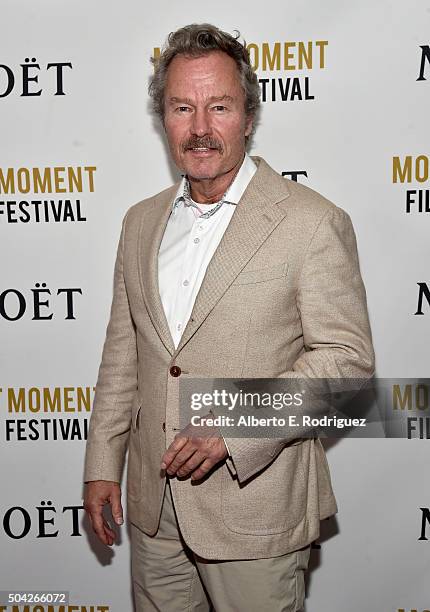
236	189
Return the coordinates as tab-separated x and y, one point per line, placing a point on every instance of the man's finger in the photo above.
193	462
101	528
182	457
177	445
203	469
117	512
109	532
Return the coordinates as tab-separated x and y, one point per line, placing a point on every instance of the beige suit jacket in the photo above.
282	296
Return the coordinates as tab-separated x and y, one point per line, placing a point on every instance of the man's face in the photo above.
205	118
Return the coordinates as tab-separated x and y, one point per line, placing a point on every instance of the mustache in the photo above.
206	142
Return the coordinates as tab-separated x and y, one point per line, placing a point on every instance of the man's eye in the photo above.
183	109
219	108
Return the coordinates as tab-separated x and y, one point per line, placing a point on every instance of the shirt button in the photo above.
175	370
179	326
186	283
196	240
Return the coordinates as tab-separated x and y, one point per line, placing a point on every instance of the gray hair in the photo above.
196	40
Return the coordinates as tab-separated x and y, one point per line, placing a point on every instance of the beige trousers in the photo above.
168	577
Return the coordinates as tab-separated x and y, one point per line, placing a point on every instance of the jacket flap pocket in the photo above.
135	410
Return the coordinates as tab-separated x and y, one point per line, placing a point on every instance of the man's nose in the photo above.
200	125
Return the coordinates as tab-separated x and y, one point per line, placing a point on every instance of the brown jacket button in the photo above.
175	370
164	426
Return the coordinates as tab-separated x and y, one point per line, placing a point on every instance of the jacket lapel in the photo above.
254	219
152	226
256	216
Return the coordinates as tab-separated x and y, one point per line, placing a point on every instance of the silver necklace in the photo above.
209	213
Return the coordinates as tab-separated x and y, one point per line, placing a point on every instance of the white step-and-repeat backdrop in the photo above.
346	98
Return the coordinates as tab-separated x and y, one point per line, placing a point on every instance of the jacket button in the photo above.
164	426
175	370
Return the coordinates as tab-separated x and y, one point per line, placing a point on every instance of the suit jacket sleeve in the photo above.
336	333
116	386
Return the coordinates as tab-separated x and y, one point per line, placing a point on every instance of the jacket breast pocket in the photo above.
261	275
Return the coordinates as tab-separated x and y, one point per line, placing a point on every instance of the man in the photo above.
233	272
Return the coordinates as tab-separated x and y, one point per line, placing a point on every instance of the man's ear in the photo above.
249	123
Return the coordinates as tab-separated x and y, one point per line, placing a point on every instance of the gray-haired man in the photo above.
232	272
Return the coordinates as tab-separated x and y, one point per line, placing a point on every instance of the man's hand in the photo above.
98	493
195	450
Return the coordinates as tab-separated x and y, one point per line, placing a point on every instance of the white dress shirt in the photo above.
188	245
